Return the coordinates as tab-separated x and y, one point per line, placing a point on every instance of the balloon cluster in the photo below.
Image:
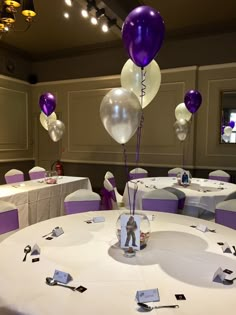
227	130
184	111
121	110
48	118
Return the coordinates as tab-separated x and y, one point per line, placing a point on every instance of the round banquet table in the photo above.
201	194
178	259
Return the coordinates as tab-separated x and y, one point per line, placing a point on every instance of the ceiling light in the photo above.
105	28
66	15
68	2
93	20
84	13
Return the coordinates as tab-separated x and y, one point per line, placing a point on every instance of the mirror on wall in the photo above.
228	117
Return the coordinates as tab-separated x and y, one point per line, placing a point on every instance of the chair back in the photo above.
219	175
14	176
138	172
231	196
37	172
9	220
160	200
82	200
225	213
109	200
111	178
174	171
179	194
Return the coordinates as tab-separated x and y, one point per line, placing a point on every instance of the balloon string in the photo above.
127	174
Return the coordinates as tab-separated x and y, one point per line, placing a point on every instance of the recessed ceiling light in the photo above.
84	13
68	2
66	15
94	21
105	28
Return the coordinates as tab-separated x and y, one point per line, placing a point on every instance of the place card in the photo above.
226	248
35	250
57	231
201	227
219	275
98	219
62	276
151	295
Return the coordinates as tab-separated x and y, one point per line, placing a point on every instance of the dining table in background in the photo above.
201	195
37	201
178	259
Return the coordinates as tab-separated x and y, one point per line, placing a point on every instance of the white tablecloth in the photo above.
202	193
37	201
177	260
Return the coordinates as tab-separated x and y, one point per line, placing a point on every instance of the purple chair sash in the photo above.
73	207
107	197
137	175
37	175
226	218
181	203
112	181
220	178
9	221
172	175
14	178
161	205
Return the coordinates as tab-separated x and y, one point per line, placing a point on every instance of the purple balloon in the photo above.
47	103
232	124
143	33
192	100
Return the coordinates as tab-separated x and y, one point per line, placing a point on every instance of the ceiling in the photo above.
51	35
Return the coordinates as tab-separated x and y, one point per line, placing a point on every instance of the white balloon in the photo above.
181	112
181	127
228	131
56	130
131	79
46	120
120	112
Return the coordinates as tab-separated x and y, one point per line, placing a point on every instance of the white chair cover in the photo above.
174	171
138	172
111	179
109	196
37	172
219	175
82	200
14	176
160	200
225	213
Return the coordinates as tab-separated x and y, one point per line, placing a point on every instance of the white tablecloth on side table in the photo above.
202	193
178	259
37	201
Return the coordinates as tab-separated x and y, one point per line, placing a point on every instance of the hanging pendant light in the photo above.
15	4
7	17
28	9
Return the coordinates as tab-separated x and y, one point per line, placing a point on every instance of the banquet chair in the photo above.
82	200
179	194
174	171
110	177
160	200
9	220
138	172
14	176
231	196
37	172
219	175
225	213
109	201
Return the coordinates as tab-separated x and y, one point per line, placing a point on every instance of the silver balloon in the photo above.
120	112
181	127
56	130
46	120
225	138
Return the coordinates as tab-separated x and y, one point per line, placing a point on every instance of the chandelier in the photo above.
9	9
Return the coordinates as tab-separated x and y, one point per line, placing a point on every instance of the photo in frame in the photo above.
130	231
